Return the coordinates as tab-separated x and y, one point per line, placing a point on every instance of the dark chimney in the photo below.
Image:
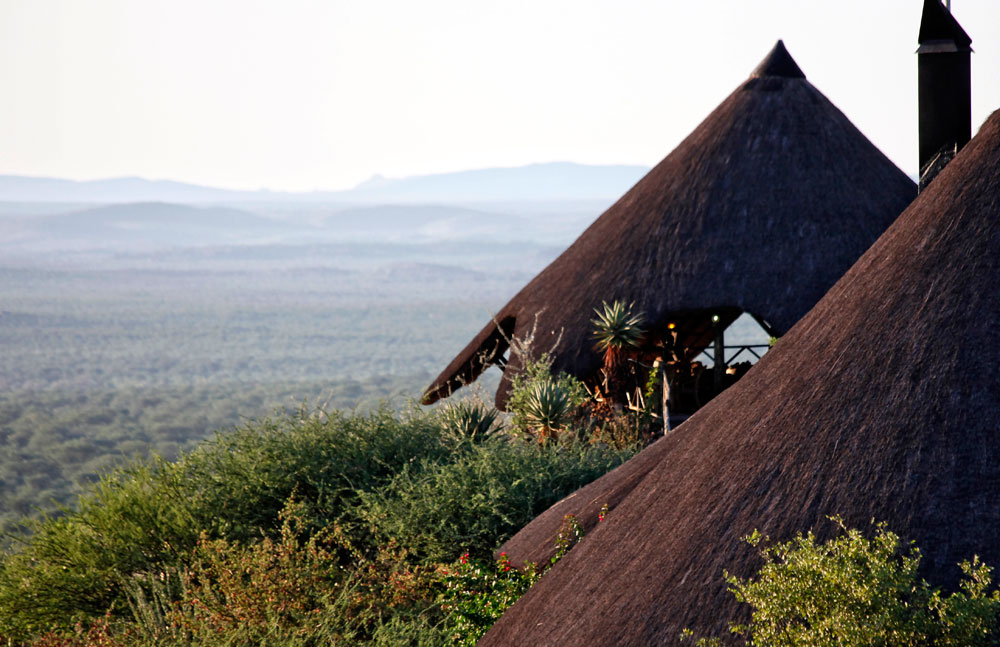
944	89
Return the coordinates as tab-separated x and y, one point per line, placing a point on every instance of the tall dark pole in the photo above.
944	89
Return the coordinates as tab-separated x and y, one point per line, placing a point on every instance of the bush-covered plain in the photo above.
112	353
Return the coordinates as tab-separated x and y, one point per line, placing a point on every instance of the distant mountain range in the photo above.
556	181
148	226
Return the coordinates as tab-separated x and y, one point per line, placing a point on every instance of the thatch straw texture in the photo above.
881	403
761	209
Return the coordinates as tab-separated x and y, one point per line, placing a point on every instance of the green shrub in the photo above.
208	550
422	630
478	592
240	480
481	497
539	398
71	568
857	591
149	516
241	594
293	590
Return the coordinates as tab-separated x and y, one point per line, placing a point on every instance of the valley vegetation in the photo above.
300	528
210	441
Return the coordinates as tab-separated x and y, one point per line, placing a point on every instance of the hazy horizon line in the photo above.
375	176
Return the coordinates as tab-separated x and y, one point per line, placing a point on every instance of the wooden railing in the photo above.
747	347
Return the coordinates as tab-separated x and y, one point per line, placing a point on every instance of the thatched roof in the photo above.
881	403
760	209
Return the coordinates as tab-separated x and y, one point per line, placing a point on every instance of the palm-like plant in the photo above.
616	329
469	421
548	409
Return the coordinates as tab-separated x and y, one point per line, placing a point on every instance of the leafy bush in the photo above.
150	516
240	480
208	549
275	589
478	499
71	568
857	591
478	593
293	590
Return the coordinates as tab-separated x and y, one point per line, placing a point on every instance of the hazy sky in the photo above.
299	94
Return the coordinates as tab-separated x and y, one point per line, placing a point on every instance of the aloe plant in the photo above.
548	409
469	421
617	328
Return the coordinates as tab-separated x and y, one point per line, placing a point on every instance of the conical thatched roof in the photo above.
760	209
881	403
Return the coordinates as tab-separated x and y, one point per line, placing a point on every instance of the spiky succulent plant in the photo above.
617	328
469	421
548	409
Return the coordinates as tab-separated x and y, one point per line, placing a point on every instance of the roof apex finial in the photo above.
778	62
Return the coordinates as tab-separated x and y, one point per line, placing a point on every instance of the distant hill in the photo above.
16	188
535	182
147	226
141	226
553	181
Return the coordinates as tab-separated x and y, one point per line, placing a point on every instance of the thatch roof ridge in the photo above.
881	403
762	207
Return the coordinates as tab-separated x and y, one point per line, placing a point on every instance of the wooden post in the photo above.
665	399
720	353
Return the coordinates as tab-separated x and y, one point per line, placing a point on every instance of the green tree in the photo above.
858	591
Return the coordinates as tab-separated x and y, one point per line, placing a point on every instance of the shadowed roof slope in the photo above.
762	208
881	403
